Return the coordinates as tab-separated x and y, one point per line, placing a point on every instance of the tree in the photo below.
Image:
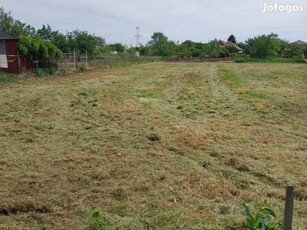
192	49
243	45
39	51
101	50
226	51
156	42
14	27
212	48
231	50
61	41
146	50
168	48
46	33
232	39
132	51
198	49
161	46
264	46
290	50
82	42
117	47
183	51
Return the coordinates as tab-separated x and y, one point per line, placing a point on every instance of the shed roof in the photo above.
6	36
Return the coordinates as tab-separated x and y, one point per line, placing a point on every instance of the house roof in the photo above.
300	42
229	43
6	36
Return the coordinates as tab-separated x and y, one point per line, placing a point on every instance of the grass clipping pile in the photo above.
153	146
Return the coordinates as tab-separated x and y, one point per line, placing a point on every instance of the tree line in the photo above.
45	45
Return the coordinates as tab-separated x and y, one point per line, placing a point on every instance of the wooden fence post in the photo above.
86	61
75	60
288	216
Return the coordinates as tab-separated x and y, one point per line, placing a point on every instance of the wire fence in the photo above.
75	61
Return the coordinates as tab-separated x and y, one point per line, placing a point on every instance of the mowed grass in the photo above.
153	146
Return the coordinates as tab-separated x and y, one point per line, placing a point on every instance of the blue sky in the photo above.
180	20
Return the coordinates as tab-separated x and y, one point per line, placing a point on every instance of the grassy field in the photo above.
153	146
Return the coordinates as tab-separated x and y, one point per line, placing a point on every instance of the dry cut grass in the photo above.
153	146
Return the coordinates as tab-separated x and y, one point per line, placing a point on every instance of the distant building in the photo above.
10	60
301	43
231	44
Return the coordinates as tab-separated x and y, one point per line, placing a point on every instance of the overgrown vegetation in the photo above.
262	219
42	72
42	53
271	46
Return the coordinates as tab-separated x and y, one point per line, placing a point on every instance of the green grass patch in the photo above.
230	76
147	94
269	60
256	95
98	220
7	78
43	72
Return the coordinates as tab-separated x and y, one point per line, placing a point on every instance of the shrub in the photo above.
41	72
82	67
263	219
264	46
64	71
42	52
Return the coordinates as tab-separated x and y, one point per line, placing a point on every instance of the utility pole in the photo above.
138	36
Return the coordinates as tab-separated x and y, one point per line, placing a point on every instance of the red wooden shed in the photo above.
10	60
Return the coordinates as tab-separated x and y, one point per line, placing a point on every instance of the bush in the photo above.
82	67
41	72
263	219
37	49
264	46
64	71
